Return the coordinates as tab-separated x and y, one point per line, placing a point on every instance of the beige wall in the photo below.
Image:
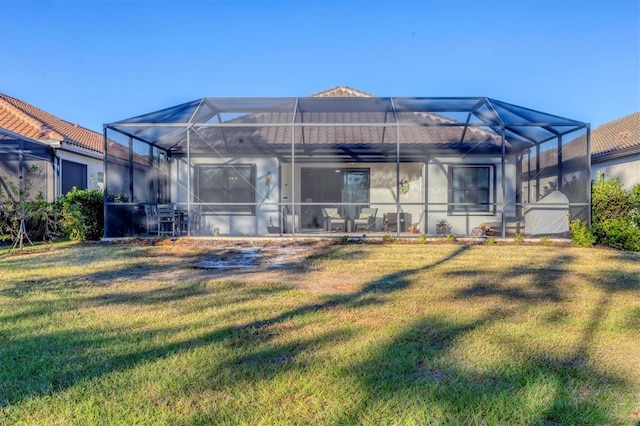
626	169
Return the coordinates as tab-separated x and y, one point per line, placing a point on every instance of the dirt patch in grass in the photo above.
249	260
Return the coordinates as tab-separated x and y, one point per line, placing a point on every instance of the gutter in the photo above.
611	155
74	148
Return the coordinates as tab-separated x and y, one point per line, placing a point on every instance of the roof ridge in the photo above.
38	126
331	92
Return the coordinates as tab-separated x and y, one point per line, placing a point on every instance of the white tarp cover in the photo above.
549	215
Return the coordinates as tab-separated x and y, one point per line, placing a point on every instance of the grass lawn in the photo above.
351	334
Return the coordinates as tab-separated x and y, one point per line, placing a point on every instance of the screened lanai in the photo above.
26	169
345	165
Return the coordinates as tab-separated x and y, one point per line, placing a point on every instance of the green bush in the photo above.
581	234
622	234
84	214
635	196
615	214
609	200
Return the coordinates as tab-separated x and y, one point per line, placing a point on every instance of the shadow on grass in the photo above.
38	365
418	368
415	368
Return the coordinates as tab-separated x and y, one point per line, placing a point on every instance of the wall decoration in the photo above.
267	186
403	186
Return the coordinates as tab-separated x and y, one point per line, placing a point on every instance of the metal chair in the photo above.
166	219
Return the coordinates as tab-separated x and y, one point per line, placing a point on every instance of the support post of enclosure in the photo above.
395	118
189	177
105	191
504	191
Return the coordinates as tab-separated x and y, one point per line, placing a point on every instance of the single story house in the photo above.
77	152
341	161
615	150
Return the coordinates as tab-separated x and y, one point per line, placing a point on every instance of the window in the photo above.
73	174
217	184
471	189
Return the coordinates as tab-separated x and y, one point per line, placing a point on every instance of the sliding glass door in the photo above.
332	186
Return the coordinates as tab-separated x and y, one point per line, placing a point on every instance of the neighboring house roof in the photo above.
621	136
27	120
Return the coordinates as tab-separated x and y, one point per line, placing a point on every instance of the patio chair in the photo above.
188	221
366	220
166	219
333	220
151	218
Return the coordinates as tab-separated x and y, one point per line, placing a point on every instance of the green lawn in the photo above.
353	334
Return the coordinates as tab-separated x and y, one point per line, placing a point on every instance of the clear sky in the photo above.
97	61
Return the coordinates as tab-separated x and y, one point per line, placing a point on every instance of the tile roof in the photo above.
27	120
342	92
437	136
616	135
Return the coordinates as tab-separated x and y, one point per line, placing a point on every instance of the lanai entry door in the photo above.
331	186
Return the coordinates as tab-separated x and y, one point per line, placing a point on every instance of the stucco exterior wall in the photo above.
267	211
626	169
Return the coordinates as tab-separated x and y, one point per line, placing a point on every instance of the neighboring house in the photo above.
78	152
341	160
615	150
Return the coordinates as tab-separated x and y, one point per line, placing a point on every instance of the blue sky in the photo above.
98	61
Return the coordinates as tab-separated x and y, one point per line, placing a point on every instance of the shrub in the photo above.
73	222
84	208
621	234
581	234
422	239
609	200
545	240
635	196
490	240
451	238
615	214
518	238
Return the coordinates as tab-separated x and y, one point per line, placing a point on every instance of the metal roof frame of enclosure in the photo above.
346	130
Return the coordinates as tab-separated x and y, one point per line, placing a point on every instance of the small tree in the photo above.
21	214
